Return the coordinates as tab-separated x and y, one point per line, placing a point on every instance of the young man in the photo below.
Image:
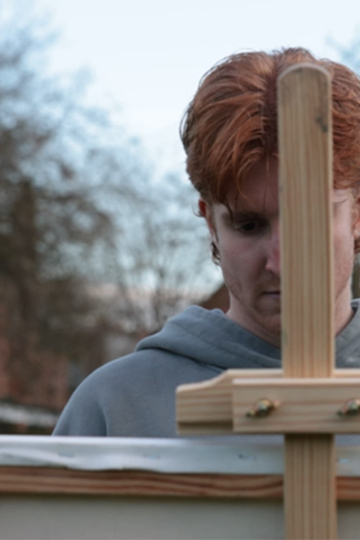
230	137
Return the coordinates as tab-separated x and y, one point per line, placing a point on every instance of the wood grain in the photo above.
56	481
304	405
305	150
207	407
42	480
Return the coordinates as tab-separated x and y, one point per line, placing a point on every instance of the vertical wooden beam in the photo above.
305	156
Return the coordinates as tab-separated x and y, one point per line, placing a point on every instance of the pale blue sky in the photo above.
147	56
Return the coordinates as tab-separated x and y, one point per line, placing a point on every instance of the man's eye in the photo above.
249	227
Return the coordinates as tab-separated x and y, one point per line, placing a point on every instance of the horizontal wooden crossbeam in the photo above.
207	407
305	405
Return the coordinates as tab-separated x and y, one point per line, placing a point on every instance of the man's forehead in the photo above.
254	199
258	187
268	200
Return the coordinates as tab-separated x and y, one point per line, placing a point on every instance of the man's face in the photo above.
248	245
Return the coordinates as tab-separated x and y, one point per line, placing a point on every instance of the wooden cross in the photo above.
308	400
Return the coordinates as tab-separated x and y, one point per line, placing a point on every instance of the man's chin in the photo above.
271	322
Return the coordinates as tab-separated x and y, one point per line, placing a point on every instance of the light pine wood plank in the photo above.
302	405
305	150
207	407
346	373
305	145
310	509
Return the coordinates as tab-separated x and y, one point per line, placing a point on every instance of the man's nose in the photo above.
273	251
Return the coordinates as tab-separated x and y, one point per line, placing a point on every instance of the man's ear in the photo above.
206	211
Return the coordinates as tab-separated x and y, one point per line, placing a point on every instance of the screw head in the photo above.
350	408
261	408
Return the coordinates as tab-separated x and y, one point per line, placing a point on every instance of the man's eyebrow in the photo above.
337	203
339	196
241	215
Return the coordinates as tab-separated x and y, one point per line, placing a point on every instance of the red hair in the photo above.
231	124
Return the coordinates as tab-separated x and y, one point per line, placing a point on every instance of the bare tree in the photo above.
79	208
53	216
163	256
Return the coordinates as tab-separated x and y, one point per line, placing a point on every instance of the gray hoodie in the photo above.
134	396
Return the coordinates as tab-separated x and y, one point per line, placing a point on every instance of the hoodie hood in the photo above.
209	337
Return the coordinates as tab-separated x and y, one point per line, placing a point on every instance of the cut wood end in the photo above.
304	67
203	385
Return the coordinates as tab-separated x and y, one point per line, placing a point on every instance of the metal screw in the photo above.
350	408
262	408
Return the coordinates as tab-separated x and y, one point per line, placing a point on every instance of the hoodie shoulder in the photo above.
133	396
